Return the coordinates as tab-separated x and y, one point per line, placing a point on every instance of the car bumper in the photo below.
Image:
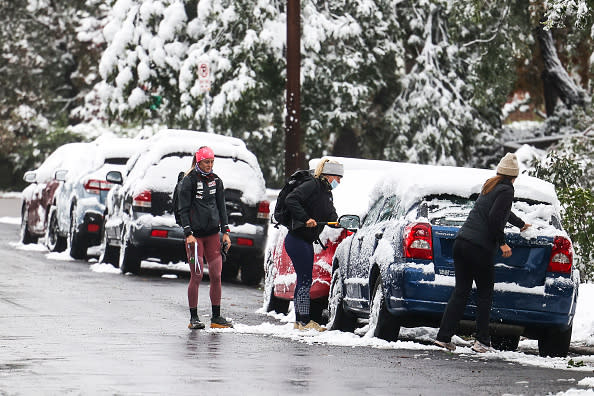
91	227
415	292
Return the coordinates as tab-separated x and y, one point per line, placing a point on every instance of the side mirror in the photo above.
30	177
350	222
60	175
114	177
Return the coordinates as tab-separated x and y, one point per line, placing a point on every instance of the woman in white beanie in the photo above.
309	203
474	252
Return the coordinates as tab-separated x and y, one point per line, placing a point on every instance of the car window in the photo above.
116	160
390	208
446	210
373	213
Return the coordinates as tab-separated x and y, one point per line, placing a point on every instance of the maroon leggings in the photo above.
209	247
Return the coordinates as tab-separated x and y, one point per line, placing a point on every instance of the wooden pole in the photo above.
293	136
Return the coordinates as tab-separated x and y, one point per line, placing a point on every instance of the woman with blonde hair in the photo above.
309	203
474	252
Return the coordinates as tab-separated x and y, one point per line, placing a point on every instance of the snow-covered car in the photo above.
38	198
140	223
350	197
78	215
397	270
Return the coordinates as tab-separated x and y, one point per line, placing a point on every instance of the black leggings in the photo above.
471	262
301	254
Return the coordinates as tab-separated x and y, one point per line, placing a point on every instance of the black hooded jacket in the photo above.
204	213
310	200
486	221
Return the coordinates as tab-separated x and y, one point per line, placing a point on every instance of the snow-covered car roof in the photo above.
234	163
366	180
76	158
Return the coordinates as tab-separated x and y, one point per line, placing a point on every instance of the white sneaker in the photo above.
479	347
447	345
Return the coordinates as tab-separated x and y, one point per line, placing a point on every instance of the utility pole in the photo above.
293	136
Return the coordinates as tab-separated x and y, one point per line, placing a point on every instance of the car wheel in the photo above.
129	258
252	270
555	342
109	254
276	304
53	241
78	244
339	318
381	323
230	270
505	343
26	237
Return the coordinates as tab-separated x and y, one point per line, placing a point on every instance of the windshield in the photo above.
452	211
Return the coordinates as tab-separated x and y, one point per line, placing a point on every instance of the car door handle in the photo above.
379	235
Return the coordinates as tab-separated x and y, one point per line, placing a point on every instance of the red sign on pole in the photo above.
203	70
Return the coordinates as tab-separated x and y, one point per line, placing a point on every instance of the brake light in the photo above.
245	242
417	241
143	199
159	233
561	256
264	210
93	228
94	186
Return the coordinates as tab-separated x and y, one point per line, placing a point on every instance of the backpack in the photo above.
281	212
174	201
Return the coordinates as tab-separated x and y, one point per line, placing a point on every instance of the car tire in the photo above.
26	237
78	244
129	259
252	270
53	241
109	254
505	343
339	318
230	270
276	304
555	342
381	322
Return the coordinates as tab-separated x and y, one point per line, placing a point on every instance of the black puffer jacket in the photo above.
310	200
486	221
204	213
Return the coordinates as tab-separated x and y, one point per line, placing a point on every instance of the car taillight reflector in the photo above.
561	256
159	233
417	241
143	199
93	228
94	186
245	242
264	210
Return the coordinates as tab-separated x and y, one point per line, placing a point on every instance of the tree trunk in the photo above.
557	82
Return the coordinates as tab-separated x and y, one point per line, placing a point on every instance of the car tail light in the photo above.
245	242
561	256
94	186
264	210
143	199
159	233
417	241
93	228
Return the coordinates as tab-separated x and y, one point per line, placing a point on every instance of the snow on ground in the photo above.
416	339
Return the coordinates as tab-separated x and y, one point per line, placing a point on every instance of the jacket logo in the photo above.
212	183
199	186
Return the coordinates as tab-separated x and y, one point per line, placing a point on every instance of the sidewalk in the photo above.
10	206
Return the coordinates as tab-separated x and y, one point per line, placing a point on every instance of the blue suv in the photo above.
397	270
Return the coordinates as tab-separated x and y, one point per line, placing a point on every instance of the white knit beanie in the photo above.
333	169
508	166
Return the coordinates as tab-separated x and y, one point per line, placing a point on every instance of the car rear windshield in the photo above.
452	211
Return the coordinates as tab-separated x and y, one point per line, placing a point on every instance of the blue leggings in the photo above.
302	255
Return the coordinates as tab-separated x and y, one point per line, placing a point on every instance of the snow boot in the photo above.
447	345
479	347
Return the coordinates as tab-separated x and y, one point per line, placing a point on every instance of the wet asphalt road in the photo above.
67	330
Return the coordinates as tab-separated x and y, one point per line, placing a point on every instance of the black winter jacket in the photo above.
491	212
310	200
204	213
